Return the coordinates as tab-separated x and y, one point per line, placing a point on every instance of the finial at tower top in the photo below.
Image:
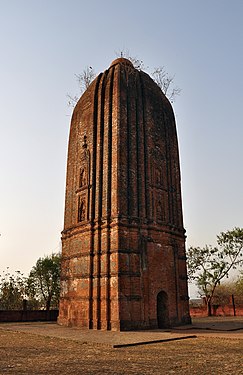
122	60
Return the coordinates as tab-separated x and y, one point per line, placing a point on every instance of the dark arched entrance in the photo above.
162	310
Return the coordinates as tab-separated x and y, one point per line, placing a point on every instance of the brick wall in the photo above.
201	311
28	315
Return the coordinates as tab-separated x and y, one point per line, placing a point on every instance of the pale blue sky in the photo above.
44	43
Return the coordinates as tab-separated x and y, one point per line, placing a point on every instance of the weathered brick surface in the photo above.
228	310
123	239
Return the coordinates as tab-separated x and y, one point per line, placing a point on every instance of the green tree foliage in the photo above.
223	293
41	289
239	288
44	281
229	290
12	290
209	265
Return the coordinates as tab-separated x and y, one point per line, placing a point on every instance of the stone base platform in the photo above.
107	338
214	328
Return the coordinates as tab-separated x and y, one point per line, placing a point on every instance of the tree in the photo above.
84	79
159	75
208	266
12	290
229	293
44	280
165	82
239	288
223	293
136	62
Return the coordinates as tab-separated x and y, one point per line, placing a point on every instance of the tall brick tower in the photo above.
123	256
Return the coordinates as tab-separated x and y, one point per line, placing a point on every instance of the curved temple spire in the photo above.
123	238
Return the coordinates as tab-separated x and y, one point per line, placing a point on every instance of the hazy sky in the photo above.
43	44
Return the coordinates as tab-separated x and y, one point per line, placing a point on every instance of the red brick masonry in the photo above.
123	264
227	310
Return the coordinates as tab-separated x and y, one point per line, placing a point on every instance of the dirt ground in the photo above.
29	353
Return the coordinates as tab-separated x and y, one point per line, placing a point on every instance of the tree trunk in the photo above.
209	307
233	303
48	304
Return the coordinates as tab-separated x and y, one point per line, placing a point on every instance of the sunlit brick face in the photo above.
123	254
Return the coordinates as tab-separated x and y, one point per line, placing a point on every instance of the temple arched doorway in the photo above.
162	310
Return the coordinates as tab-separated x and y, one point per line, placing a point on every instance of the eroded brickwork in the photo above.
123	264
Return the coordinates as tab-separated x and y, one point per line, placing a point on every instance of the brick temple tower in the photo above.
123	256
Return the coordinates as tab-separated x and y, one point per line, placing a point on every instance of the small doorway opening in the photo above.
162	310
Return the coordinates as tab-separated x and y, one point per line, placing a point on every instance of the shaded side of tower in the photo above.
123	258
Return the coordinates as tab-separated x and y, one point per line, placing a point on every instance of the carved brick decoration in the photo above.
123	243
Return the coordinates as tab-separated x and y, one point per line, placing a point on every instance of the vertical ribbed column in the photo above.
141	195
173	162
123	134
173	159
109	194
144	160
132	147
104	224
115	145
178	185
141	172
115	198
106	204
168	169
92	201
98	204
128	154
70	197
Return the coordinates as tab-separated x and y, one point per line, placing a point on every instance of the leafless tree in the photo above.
84	79
137	63
165	82
159	75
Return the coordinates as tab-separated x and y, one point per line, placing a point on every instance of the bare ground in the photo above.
28	353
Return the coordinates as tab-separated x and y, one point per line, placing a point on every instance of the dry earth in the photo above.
27	353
